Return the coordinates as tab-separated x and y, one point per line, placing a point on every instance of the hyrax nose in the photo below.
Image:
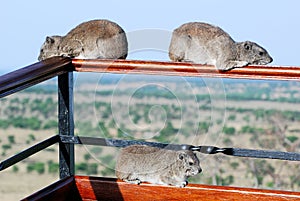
199	170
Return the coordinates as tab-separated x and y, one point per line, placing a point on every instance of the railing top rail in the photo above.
33	74
49	68
185	69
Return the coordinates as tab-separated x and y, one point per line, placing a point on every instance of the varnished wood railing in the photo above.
185	69
33	74
41	71
95	188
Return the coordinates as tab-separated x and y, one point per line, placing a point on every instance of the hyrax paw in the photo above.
137	181
182	184
231	65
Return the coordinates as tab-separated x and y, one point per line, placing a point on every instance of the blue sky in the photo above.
273	24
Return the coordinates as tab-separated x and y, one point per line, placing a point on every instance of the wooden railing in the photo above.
63	68
34	74
186	69
44	70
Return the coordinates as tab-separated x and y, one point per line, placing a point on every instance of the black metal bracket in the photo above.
250	153
66	124
28	152
69	141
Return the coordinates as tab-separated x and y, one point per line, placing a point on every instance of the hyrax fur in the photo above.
207	44
139	163
94	39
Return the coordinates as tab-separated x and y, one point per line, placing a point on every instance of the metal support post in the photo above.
66	123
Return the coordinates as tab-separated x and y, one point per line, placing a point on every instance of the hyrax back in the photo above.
139	163
89	40
207	44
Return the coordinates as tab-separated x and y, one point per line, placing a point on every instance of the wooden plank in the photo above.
95	188
33	74
185	69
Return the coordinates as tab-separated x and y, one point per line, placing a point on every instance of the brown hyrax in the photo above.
139	163
94	39
207	44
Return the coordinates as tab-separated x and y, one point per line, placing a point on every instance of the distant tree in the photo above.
39	167
167	132
4	123
232	117
87	157
92	169
81	167
6	147
229	130
15	169
108	172
53	167
22	122
11	139
51	124
203	127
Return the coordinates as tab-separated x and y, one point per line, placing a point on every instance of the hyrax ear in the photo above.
247	45
50	40
182	155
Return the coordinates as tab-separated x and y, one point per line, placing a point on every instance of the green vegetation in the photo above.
50	124
203	127
30	138
87	168
15	169
243	125
232	117
153	91
53	168
234	165
252	130
229	130
37	166
292	138
167	133
6	146
226	181
4	124
11	139
32	123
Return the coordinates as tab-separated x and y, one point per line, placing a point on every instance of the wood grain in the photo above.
185	69
33	74
95	188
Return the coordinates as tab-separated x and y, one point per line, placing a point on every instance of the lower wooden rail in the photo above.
96	188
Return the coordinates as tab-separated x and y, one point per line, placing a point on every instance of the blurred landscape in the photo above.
217	112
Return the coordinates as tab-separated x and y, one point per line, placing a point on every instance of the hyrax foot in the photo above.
232	64
136	181
182	184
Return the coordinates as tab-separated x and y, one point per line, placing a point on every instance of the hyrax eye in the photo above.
247	47
261	53
191	163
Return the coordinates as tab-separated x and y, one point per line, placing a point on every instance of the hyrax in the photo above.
207	44
139	163
94	39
